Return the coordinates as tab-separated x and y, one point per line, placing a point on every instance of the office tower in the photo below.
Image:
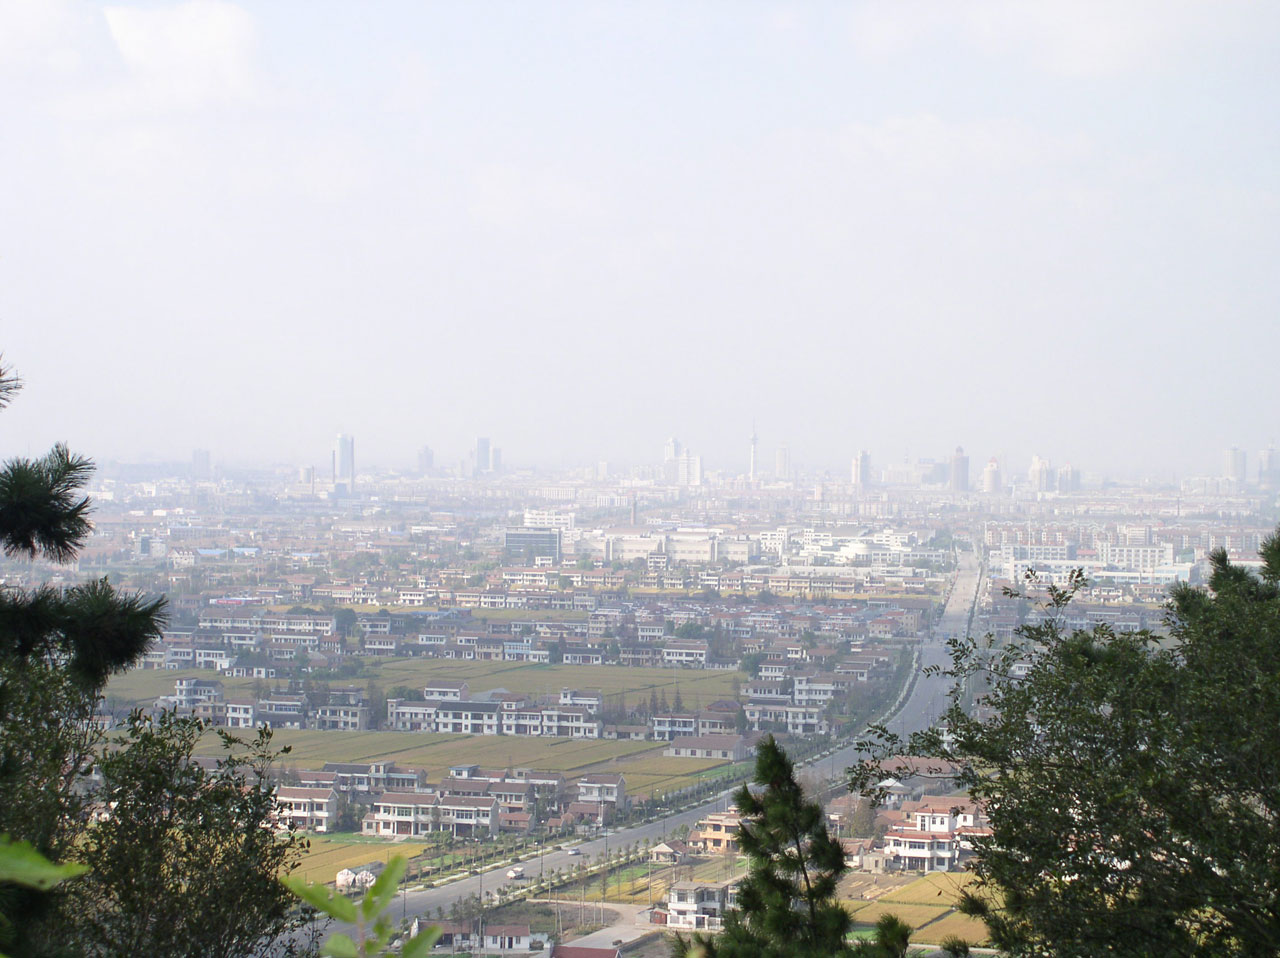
483	461
1040	475
1068	479
991	478
528	545
671	454
862	469
782	463
200	464
344	460
426	459
1268	468
959	471
495	459
689	469
1234	464
751	471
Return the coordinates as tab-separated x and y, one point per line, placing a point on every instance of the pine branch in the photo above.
40	512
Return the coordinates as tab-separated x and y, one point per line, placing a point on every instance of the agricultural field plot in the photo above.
953	923
649	773
697	687
143	686
940	888
917	916
927	904
638	883
436	753
328	856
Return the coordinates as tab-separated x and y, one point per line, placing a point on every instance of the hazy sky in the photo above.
581	228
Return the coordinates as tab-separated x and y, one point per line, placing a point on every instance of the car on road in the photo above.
575	851
517	872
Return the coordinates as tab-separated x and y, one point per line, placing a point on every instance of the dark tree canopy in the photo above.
187	863
57	649
1132	781
786	903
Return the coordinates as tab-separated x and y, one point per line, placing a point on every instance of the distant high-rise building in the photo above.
991	484
1234	464
483	456
959	471
200	464
689	469
307	475
751	469
671	454
1268	468
528	545
1068	479
426	459
495	459
782	463
344	460
862	469
1040	475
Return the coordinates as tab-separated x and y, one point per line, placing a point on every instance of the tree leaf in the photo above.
340	946
421	944
322	899
23	865
383	890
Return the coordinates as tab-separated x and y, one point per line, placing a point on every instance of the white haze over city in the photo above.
580	228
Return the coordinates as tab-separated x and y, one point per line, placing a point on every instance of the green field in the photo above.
435	753
144	686
697	688
654	772
642	762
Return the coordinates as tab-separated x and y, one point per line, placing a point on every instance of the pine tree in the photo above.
786	904
57	649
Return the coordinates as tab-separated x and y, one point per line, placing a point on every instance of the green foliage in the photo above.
187	859
374	930
57	649
41	510
786	903
22	865
1132	782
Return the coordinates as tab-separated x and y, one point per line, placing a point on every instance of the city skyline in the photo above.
1022	239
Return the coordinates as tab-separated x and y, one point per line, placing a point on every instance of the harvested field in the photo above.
329	856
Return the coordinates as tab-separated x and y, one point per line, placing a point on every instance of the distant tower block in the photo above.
862	469
782	463
1234	464
991	483
959	471
751	472
344	460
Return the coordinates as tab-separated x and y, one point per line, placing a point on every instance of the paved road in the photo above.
925	702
